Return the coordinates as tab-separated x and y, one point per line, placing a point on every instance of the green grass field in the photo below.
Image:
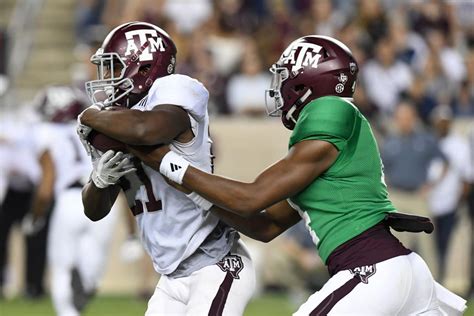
274	305
128	306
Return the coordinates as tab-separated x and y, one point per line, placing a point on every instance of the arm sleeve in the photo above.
330	120
180	90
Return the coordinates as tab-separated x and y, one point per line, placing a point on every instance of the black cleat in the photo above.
80	296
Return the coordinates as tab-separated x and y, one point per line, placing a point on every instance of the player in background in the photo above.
204	267
449	183
77	247
332	178
20	173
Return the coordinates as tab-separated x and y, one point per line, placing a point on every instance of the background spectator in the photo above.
407	154
385	78
449	187
244	90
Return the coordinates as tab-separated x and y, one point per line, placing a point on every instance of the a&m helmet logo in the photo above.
308	56
155	43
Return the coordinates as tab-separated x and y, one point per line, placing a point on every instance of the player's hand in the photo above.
150	155
96	107
110	167
95	154
83	130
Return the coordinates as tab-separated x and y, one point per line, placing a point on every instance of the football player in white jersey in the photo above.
20	172
204	267
77	247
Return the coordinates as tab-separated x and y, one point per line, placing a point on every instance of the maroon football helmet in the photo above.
131	58
310	67
60	104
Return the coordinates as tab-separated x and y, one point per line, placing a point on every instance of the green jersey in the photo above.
351	196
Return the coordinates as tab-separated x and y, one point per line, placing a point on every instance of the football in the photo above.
104	143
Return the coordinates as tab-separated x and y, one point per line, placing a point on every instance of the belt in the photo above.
372	246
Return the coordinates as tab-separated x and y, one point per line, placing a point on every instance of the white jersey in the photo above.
172	227
19	166
71	164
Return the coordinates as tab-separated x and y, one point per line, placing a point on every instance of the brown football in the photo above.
104	143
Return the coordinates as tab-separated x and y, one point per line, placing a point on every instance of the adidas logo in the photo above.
174	167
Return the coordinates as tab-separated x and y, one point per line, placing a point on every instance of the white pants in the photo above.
74	241
402	285
220	289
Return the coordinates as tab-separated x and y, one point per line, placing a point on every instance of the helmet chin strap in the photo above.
289	114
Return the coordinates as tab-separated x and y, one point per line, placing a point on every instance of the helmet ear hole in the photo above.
324	54
299	87
144	70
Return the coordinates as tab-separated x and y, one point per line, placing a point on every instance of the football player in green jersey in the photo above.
332	177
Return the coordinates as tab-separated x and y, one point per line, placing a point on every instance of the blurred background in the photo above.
415	86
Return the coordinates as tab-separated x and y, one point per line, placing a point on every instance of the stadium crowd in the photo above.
417	50
416	81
